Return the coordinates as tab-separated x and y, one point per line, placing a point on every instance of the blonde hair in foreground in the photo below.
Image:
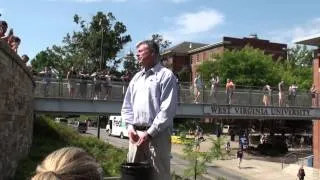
69	163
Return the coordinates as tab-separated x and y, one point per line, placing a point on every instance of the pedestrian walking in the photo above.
239	157
148	109
228	147
301	174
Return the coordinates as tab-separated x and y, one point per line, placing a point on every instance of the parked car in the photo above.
80	126
227	129
61	120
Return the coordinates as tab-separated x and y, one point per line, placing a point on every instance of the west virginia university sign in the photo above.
261	112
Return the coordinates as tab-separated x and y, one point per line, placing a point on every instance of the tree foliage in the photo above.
300	56
248	66
163	44
130	63
198	160
251	67
94	46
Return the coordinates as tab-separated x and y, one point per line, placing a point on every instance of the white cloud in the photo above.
297	32
189	26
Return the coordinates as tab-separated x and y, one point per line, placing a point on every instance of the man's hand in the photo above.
144	138
133	136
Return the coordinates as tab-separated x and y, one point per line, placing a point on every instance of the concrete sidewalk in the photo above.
251	168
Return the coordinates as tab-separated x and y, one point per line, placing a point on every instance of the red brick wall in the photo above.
316	123
275	49
179	62
198	57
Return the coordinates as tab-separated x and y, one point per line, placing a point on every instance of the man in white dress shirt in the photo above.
148	110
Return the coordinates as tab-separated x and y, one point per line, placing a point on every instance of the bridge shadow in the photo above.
247	167
214	166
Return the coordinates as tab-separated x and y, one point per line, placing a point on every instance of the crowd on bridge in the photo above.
99	84
79	80
11	39
267	90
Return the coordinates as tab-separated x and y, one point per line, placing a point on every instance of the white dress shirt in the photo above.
151	100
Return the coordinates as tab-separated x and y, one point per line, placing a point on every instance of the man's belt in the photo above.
141	128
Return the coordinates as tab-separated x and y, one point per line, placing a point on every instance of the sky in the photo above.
43	23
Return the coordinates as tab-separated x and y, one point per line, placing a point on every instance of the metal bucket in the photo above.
136	171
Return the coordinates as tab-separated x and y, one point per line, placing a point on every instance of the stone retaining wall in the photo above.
16	110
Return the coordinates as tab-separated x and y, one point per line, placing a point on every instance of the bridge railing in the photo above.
88	89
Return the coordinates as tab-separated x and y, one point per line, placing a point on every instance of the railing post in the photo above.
250	96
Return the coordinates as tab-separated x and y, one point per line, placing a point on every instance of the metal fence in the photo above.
88	89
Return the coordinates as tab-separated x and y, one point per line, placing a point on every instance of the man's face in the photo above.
144	55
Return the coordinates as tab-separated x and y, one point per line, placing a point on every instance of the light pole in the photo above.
101	48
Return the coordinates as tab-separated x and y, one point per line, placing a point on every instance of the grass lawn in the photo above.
49	136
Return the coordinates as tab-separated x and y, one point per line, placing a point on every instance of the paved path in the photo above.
252	168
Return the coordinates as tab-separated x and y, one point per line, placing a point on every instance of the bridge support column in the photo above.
316	144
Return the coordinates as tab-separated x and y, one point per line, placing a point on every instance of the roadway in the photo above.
178	164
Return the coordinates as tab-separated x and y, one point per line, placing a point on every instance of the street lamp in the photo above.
100	23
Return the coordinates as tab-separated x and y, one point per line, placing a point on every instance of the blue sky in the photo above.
43	23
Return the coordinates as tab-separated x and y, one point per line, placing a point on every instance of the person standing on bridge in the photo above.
266	95
71	77
3	28
148	109
313	91
229	90
281	92
214	86
197	84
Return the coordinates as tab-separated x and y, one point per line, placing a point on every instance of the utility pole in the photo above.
101	48
98	125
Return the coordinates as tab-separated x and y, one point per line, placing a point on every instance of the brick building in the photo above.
190	57
177	57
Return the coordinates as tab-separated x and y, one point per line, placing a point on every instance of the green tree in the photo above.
99	40
130	63
95	45
163	44
199	160
248	66
300	56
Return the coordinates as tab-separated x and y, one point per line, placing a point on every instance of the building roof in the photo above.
312	40
205	47
184	47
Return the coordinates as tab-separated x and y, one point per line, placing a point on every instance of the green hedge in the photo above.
49	136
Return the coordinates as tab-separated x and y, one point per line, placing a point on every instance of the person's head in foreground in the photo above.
70	163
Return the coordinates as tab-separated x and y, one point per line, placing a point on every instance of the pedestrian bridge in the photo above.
247	103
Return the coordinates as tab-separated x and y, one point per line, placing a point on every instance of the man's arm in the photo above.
127	111
168	105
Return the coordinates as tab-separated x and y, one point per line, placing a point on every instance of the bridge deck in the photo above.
53	97
85	106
